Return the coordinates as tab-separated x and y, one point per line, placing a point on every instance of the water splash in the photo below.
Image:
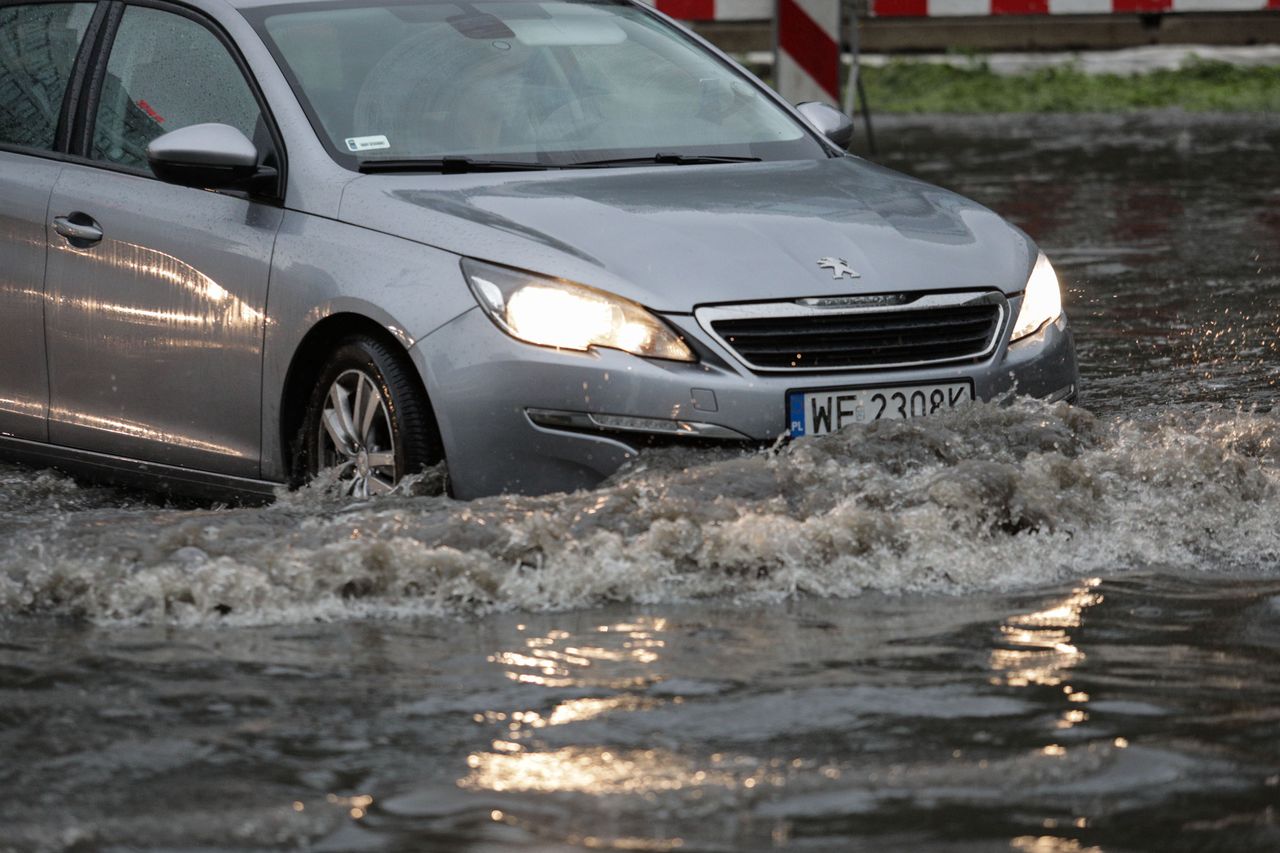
989	498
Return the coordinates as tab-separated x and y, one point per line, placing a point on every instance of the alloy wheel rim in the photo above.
356	436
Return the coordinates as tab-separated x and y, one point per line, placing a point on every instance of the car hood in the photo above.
674	237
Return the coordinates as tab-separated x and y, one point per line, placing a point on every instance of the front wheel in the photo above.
368	419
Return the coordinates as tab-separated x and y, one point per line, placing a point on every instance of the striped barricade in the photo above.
807	59
716	10
763	10
808	32
982	8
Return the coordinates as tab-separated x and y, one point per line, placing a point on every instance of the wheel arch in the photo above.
306	363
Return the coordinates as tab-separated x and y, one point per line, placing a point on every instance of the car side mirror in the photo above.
207	156
829	121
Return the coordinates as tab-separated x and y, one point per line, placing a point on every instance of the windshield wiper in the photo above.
450	165
669	159
461	165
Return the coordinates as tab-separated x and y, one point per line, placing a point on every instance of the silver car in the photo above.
245	241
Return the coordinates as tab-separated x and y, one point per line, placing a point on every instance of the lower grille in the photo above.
791	337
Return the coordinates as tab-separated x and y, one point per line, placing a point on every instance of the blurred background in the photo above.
1001	56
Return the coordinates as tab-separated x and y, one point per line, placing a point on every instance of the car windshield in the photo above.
550	83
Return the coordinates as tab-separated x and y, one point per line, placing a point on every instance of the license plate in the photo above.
823	412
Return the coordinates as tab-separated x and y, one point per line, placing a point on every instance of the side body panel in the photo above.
25	185
155	333
322	268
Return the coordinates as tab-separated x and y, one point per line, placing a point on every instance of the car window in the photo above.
38	46
551	81
167	72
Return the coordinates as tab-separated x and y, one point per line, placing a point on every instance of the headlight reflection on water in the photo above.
1041	652
550	661
616	662
617	667
1039	645
1050	844
595	770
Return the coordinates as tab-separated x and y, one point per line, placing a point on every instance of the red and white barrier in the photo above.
945	8
762	10
716	10
807	60
807	65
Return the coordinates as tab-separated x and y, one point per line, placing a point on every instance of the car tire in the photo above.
368	418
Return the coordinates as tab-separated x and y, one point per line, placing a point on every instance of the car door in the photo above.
39	44
156	292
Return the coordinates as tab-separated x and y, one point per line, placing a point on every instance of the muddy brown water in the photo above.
1030	628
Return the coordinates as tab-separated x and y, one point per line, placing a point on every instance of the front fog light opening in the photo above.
568	316
557	419
1041	302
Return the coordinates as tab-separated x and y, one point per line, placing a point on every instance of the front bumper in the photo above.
484	386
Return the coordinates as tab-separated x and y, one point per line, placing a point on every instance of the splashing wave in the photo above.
993	497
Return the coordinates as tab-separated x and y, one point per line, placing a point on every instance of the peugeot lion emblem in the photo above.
839	268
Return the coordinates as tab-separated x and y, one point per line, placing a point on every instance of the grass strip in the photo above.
904	86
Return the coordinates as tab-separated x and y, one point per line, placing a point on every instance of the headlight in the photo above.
1042	302
560	314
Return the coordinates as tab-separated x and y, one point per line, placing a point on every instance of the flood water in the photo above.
1036	628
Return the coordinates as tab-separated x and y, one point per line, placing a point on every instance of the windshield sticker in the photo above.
357	144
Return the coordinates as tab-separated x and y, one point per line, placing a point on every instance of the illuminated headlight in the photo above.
1042	302
563	315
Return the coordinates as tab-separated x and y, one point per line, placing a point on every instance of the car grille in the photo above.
832	340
